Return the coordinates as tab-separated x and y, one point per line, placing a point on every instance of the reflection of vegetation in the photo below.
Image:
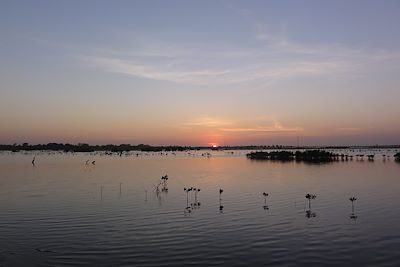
310	214
315	156
397	157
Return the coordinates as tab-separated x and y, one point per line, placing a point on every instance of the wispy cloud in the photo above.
262	124
208	122
348	129
275	128
173	71
155	72
272	56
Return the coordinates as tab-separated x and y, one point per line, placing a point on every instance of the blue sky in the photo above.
200	72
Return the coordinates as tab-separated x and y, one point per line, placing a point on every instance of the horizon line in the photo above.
79	144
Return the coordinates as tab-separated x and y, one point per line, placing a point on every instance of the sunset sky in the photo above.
200	72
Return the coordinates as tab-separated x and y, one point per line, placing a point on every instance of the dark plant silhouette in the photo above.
187	210
187	190
81	147
33	160
397	157
265	207
312	156
196	191
309	213
220	199
164	182
310	197
353	215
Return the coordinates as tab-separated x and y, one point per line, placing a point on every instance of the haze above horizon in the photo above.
200	72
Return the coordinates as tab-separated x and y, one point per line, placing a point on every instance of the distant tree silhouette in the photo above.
397	157
313	156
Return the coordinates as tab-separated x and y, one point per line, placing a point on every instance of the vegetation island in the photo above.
315	156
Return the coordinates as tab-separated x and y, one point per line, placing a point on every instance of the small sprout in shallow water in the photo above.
196	191
220	199
310	197
309	213
353	215
164	180
187	195
265	207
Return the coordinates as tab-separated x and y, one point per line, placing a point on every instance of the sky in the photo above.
200	72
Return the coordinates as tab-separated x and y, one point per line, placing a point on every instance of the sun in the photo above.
214	146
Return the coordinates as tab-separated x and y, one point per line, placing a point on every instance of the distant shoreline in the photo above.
149	148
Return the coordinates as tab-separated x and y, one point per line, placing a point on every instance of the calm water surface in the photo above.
64	213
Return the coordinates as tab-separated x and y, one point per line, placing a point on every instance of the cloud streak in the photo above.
160	73
214	75
246	126
275	128
272	56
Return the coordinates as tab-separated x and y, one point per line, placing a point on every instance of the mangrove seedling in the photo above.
220	204
352	199
196	191
310	197
265	201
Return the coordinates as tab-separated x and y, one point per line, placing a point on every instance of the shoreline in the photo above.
149	148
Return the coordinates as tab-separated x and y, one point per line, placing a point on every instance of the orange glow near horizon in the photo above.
199	131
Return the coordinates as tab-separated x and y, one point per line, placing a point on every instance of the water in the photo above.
64	213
